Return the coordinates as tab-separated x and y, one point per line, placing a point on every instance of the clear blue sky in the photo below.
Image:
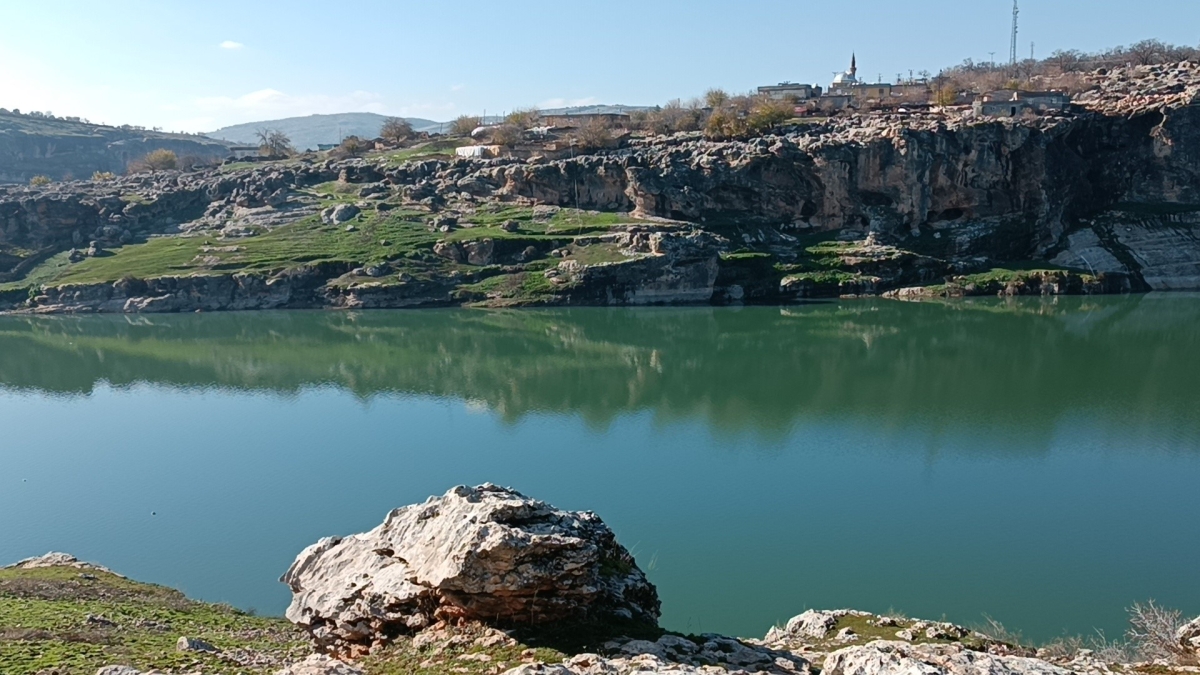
198	65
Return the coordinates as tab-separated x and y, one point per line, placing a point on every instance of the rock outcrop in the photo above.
1109	190
61	148
487	554
903	658
1189	637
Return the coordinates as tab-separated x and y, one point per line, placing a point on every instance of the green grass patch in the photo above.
44	623
438	148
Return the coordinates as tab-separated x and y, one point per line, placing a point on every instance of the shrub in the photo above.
1152	632
508	135
103	176
464	125
352	146
274	143
526	118
396	130
158	160
594	135
768	113
39	181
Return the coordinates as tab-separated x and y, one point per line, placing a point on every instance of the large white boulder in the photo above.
1189	636
486	553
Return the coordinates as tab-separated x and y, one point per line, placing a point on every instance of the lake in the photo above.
1037	461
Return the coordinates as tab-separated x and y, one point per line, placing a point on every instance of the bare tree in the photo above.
396	130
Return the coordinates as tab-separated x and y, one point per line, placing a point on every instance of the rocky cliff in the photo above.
62	149
1104	198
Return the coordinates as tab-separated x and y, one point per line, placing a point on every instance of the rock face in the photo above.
903	658
1110	190
1189	637
59	148
486	553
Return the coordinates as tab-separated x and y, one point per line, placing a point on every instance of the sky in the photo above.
192	65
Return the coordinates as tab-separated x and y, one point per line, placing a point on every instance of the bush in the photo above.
508	135
465	124
103	176
274	143
396	130
594	135
159	160
39	181
352	146
725	124
524	118
767	113
1152	632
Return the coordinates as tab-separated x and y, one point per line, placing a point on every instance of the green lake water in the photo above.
1035	461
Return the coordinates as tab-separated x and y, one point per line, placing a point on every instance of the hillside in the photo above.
309	132
63	149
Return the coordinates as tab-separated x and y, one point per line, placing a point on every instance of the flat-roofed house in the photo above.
790	90
1010	103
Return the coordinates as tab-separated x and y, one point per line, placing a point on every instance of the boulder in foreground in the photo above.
487	554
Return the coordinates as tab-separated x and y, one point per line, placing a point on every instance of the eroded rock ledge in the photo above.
1103	199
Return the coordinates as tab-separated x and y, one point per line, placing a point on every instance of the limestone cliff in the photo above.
1104	198
63	149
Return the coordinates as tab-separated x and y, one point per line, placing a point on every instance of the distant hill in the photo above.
36	145
309	132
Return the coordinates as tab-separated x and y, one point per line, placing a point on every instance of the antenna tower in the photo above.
1012	57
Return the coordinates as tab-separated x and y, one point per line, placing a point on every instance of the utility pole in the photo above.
1012	56
992	60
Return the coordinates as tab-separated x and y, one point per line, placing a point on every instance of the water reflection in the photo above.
1005	371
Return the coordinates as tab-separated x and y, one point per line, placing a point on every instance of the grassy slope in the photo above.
402	235
44	623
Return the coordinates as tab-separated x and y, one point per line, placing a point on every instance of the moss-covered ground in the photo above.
77	621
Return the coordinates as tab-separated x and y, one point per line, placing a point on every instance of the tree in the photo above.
768	113
715	98
464	125
396	130
274	143
352	146
39	181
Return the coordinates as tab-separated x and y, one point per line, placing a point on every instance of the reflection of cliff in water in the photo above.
1015	367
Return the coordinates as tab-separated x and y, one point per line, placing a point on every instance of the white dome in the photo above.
845	78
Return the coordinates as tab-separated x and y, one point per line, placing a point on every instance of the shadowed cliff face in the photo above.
761	370
64	150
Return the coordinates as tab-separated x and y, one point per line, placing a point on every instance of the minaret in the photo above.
854	66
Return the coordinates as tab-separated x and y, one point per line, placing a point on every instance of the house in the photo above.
244	151
790	90
1010	103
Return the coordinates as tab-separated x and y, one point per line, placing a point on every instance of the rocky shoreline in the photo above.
485	580
1102	199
